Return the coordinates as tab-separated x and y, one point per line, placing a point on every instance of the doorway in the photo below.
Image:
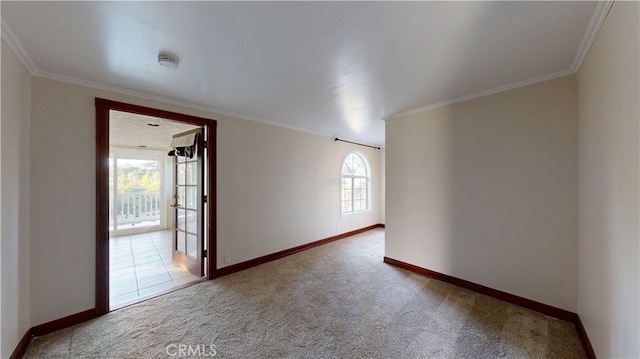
146	215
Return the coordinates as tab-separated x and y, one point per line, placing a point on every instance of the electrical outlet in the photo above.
227	258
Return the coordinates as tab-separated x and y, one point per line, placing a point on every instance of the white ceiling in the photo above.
333	68
133	130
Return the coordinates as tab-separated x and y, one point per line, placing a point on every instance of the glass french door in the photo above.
188	207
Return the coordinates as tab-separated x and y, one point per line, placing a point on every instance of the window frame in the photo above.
366	177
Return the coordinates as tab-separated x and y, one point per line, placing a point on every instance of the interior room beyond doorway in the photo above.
141	219
141	265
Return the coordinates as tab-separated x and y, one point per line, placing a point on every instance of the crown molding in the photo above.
599	15
18	50
163	99
133	93
598	18
16	47
488	92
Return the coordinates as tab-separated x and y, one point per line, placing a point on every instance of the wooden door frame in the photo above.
102	188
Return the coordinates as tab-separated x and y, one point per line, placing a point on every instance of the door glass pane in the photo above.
192	246
182	220
192	222
181	173
192	197
192	173
181	241
181	197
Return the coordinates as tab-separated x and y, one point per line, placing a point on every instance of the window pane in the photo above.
346	171
346	206
357	168
354	184
112	207
354	165
137	182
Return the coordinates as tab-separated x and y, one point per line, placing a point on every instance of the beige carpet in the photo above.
334	301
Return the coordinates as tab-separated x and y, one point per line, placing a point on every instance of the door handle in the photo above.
175	202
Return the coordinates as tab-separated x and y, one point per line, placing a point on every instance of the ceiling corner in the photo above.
599	15
487	92
16	47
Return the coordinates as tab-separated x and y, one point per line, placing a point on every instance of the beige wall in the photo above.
277	189
14	199
486	190
608	264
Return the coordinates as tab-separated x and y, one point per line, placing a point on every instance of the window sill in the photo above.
349	214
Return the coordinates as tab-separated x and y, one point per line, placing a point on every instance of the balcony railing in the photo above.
132	208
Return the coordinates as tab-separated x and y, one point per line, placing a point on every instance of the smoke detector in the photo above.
168	62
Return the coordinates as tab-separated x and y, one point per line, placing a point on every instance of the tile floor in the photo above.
140	265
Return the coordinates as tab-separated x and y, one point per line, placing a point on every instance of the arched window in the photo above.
354	183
